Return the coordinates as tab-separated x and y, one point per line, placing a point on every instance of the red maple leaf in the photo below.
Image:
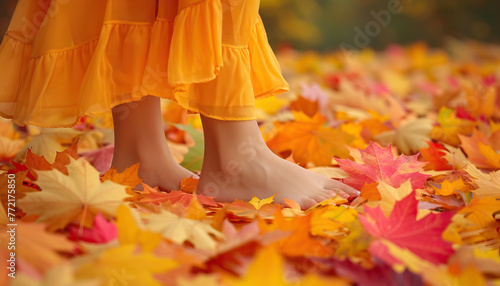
183	196
380	166
177	197
434	156
422	237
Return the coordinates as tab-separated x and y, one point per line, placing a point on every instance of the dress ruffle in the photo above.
186	61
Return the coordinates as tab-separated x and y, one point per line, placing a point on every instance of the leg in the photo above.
238	165
139	137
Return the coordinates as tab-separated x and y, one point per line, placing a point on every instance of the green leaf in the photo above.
193	160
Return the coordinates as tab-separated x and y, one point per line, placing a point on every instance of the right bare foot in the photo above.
239	165
266	175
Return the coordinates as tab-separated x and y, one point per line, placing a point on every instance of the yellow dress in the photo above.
62	59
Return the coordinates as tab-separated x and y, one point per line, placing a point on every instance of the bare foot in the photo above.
238	165
140	138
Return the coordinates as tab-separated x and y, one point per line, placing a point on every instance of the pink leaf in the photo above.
100	158
380	166
102	231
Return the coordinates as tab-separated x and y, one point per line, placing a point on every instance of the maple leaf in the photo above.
403	229
48	141
121	265
308	107
409	137
309	140
370	192
449	188
180	230
20	188
267	260
488	184
480	211
481	150
78	195
262	208
39	163
129	177
450	126
332	221
100	158
299	242
380	166
434	156
132	231
183	196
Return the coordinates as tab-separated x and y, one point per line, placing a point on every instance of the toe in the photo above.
307	203
318	198
341	188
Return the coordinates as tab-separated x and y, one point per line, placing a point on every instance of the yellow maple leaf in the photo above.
488	184
131	230
180	230
265	269
480	211
450	127
449	188
409	137
332	221
47	142
121	265
78	195
258	203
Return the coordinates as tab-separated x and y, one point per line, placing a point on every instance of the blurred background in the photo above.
326	24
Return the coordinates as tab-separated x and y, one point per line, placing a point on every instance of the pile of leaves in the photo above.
415	130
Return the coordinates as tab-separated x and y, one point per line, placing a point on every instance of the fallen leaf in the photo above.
76	196
179	230
121	265
380	166
403	229
310	141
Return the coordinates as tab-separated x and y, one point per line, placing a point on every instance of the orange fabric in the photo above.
63	59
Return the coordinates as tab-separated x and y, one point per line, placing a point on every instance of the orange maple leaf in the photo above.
39	163
129	177
310	141
482	150
299	242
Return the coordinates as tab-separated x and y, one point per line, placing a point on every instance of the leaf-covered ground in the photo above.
415	130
